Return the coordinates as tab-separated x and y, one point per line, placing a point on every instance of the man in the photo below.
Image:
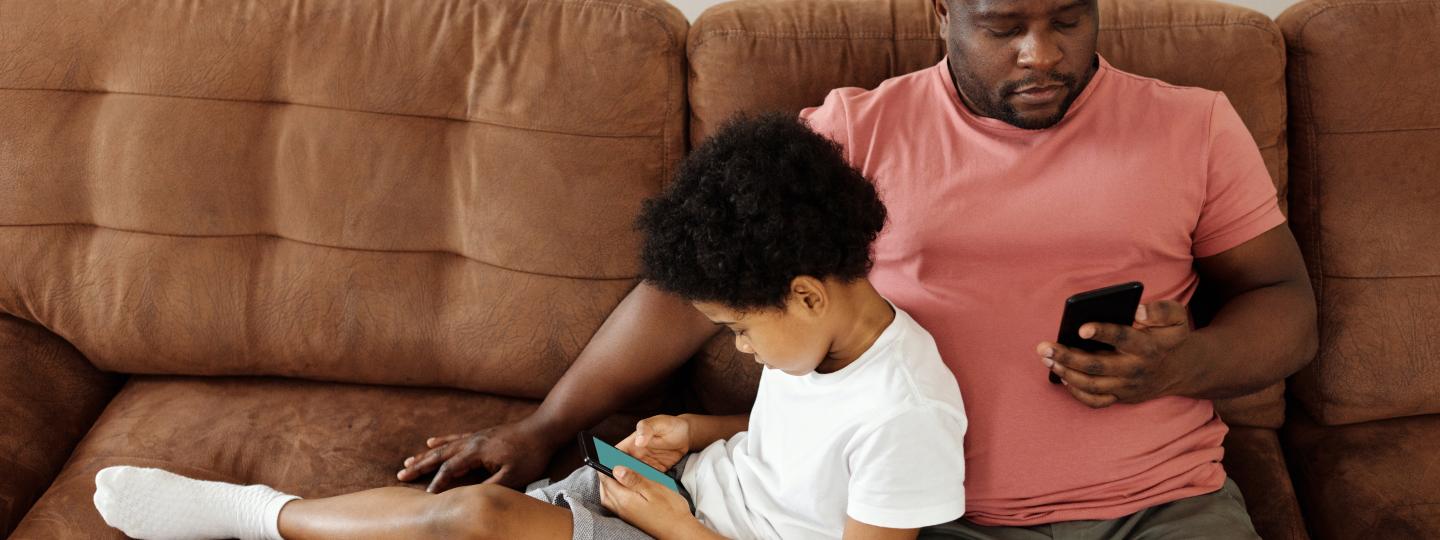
1020	170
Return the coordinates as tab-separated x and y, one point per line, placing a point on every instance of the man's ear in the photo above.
809	294
942	13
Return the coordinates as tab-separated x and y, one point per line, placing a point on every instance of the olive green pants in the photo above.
1218	515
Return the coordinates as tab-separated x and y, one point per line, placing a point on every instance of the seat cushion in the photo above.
1253	459
307	438
1377	479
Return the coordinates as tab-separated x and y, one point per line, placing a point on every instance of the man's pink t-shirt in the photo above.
991	227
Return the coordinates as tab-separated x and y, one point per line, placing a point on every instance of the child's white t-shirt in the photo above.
880	440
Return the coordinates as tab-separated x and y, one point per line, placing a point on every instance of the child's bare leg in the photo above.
483	511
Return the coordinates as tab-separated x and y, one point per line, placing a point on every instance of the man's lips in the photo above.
1039	94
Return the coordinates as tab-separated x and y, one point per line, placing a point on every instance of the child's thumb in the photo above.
626	476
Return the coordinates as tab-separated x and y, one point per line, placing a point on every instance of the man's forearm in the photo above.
706	429
1257	339
648	336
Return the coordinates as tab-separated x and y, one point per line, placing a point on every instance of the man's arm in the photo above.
648	336
1264	331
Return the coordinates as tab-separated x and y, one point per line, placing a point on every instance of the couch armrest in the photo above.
49	397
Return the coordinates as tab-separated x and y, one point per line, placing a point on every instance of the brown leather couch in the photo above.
1364	436
282	242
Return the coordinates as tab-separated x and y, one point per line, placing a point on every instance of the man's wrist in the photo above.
1195	366
546	430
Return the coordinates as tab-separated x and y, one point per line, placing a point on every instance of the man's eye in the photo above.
1067	24
1003	33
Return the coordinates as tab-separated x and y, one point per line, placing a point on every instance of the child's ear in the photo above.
810	294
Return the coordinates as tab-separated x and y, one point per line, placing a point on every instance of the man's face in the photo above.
1020	61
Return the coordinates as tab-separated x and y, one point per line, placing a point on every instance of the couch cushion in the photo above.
784	55
1366	170
332	189
310	439
1370	480
49	398
1253	459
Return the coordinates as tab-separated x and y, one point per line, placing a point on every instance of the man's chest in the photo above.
1074	206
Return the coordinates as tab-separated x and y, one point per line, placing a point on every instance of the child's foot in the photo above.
157	505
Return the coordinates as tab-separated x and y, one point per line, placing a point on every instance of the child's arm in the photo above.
855	530
706	429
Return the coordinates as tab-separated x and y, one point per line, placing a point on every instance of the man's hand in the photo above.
649	506
660	441
513	453
1150	360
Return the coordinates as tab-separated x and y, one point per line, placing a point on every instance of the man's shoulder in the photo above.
1158	95
855	104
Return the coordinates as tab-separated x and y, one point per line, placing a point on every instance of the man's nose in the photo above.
1039	51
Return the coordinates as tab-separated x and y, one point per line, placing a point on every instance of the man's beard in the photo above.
997	107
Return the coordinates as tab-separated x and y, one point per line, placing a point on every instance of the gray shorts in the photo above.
580	492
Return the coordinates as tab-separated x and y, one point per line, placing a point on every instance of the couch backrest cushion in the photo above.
1365	132
784	55
424	193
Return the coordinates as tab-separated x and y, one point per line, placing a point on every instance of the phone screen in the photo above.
611	457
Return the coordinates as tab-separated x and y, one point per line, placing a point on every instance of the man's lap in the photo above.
1219	515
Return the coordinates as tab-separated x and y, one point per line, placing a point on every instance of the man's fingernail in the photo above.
1048	352
1049	363
1140	313
1087	332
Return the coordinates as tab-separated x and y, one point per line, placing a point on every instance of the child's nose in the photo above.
743	346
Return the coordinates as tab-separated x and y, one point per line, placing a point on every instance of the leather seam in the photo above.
1374	131
1377	278
320	245
341	109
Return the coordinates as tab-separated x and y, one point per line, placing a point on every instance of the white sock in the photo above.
157	505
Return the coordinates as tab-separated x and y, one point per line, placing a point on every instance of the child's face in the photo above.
793	340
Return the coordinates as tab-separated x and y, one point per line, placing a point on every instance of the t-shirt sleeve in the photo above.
910	471
831	119
1239	196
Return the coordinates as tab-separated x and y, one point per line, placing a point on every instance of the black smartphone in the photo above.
1115	304
603	457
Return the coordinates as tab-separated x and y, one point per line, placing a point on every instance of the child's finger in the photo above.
642	433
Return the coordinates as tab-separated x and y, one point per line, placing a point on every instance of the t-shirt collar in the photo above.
942	70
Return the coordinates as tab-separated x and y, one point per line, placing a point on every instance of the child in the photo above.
856	429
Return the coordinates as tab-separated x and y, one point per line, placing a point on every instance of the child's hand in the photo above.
649	506
660	441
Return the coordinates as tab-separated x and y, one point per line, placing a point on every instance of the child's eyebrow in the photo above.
723	323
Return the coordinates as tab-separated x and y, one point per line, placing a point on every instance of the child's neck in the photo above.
867	317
